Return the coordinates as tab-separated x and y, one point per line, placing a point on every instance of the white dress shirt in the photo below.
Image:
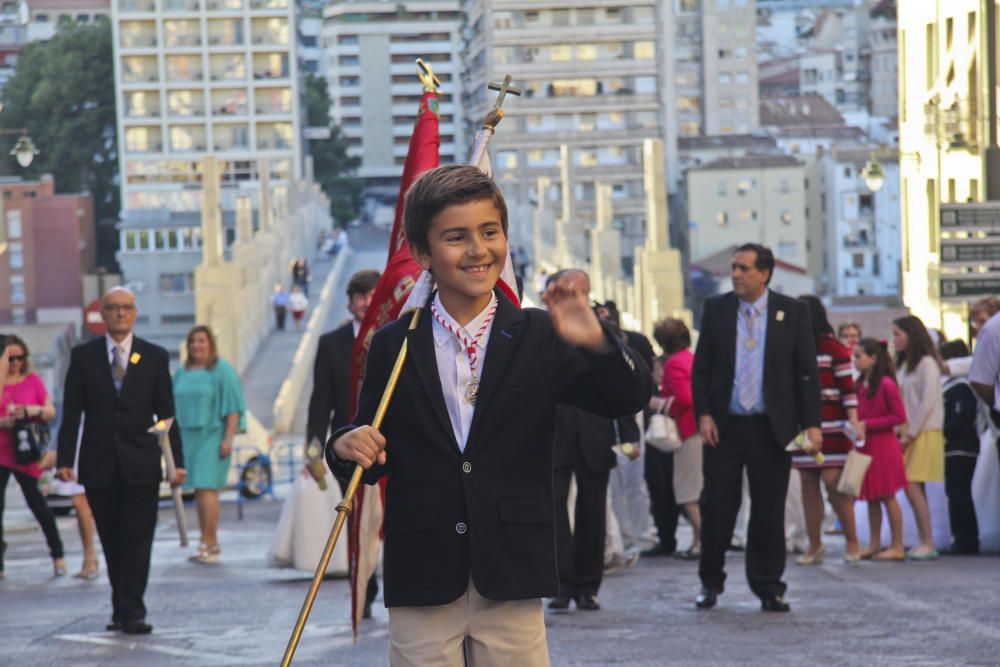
453	365
124	349
356	327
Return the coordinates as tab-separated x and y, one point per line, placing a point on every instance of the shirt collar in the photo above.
442	335
759	306
126	344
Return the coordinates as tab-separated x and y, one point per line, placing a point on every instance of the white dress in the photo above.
307	517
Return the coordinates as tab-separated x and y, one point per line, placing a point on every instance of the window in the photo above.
722	218
721	188
858	260
16	256
645	50
176	283
13	224
177	319
746	185
17	296
783	186
786	217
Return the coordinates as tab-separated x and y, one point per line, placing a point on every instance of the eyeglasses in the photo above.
17	357
127	308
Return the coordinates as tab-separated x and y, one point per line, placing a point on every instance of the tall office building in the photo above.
197	77
948	157
591	80
715	61
375	92
193	78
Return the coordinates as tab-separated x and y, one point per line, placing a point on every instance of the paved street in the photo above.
241	612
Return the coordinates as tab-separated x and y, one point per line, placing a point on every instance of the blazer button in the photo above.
466	467
460	528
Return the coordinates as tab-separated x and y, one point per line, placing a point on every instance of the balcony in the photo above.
224	5
258	5
136	6
144	147
181	5
138	40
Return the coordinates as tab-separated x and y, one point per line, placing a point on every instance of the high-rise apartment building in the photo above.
196	77
715	66
375	92
592	81
948	156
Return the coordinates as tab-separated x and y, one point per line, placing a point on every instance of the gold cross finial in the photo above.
427	77
496	113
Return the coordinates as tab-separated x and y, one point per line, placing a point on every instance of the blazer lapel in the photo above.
775	323
730	312
499	352
423	355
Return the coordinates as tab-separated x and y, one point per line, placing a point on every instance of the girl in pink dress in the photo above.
24	396
881	410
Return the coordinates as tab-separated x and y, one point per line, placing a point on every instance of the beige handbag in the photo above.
853	475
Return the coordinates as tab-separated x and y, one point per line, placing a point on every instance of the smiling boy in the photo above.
469	537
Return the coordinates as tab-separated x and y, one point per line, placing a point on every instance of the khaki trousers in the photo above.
470	631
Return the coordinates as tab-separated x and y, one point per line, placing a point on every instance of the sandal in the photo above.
206	555
889	555
689	554
89	571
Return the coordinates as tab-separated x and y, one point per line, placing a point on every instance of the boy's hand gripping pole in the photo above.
345	506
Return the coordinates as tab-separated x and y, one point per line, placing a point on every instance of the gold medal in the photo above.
472	391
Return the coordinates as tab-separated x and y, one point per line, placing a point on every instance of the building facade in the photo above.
371	49
760	199
42	17
947	91
862	242
715	66
197	77
48	242
883	94
594	81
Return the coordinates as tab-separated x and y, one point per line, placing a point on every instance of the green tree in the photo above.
62	92
334	169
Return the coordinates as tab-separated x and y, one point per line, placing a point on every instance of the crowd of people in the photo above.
772	406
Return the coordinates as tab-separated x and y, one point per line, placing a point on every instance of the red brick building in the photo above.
47	243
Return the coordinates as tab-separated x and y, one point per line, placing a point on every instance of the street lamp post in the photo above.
24	148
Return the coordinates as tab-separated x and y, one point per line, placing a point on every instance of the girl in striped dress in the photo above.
839	404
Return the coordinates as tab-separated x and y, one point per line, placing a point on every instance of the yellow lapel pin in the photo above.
780	316
134	359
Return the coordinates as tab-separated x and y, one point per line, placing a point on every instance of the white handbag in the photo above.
662	432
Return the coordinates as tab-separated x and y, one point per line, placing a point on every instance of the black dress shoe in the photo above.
588	602
560	602
658	550
774	603
366	612
113	626
706	599
136	628
961	550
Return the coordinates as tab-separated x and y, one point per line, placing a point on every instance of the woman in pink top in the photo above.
880	409
24	396
675	339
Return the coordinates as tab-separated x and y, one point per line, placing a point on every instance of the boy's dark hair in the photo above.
672	335
765	258
362	282
439	188
883	366
954	349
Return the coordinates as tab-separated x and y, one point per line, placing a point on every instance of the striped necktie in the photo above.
748	377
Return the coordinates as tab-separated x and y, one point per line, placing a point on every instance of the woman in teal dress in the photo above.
210	410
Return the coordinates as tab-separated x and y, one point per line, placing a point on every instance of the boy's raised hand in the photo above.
364	445
572	317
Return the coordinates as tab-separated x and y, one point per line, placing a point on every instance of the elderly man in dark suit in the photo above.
755	387
122	385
